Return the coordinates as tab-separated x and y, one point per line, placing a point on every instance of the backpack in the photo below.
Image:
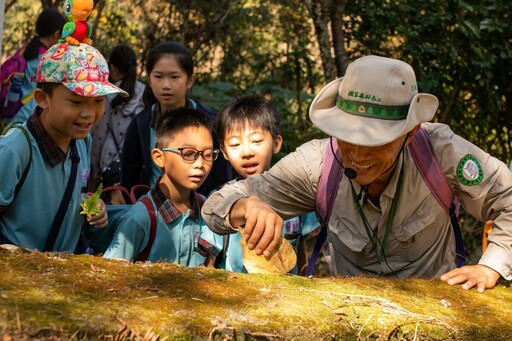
12	73
428	165
100	238
144	254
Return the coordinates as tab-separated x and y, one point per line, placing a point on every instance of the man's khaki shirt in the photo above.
421	240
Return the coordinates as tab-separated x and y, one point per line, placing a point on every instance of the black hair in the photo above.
48	22
172	122
177	50
48	87
123	57
254	110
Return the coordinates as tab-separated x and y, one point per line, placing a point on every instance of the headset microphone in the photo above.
350	173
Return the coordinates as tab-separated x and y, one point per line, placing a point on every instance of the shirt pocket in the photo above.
421	231
351	243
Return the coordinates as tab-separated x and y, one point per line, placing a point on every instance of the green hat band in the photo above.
372	110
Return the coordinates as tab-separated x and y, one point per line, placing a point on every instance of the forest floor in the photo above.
65	297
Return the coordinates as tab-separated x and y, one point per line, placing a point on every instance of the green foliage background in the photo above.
461	52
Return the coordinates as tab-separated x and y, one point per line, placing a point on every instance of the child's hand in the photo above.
263	226
100	219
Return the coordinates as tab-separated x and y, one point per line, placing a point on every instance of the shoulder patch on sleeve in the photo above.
469	171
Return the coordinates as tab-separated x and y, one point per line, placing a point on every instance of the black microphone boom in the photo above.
350	173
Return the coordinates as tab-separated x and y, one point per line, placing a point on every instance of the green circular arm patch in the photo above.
469	171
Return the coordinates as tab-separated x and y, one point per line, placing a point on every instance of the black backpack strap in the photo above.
143	256
63	207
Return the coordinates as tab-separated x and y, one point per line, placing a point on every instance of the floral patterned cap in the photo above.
82	69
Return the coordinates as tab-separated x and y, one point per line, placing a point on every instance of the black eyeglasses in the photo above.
191	154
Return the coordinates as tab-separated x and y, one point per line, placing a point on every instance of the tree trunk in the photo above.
320	13
99	5
338	36
62	296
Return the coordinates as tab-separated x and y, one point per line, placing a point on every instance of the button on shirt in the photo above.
421	241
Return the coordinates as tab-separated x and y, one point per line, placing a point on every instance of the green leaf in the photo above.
91	205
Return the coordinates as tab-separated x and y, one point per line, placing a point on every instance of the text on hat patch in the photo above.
361	95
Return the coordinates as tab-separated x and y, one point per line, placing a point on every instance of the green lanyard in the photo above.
381	256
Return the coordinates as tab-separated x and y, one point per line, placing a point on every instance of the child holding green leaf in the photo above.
45	161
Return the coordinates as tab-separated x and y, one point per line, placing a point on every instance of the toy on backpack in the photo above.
77	30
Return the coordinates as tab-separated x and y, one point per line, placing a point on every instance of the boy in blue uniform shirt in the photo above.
248	132
71	84
184	151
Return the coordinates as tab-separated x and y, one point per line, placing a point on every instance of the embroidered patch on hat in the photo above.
469	171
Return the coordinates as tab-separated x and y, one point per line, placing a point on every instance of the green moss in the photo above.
63	296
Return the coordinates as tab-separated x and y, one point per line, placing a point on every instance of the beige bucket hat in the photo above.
376	102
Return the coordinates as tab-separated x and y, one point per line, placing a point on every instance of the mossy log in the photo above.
61	296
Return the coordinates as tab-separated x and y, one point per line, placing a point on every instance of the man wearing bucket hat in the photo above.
384	219
45	161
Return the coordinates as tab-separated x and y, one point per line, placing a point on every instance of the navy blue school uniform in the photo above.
180	237
137	166
27	217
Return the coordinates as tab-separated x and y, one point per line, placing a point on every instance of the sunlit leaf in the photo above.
281	261
91	206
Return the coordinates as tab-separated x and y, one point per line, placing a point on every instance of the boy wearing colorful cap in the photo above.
71	84
395	226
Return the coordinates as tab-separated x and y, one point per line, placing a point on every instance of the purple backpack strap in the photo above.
428	165
430	169
326	194
329	181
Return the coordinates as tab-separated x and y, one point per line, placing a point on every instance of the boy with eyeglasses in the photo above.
184	151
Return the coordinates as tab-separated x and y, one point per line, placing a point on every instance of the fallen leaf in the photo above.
282	260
